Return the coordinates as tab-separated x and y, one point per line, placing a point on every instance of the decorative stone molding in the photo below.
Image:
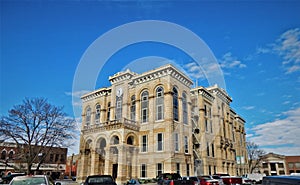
96	94
221	93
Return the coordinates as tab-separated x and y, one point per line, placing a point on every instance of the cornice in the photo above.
161	72
96	94
221	93
203	92
122	76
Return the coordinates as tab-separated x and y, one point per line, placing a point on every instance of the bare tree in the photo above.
36	126
254	155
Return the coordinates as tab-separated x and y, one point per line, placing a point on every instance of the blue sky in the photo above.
256	44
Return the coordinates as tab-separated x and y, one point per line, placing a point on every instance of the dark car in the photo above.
99	180
280	180
173	179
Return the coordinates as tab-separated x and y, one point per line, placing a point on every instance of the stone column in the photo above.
107	165
93	162
122	165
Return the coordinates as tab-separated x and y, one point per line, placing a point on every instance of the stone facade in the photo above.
273	164
154	122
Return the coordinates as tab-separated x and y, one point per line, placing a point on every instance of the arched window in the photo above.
132	108
159	103
184	108
97	116
115	140
119	106
175	104
144	107
11	154
3	154
88	116
130	140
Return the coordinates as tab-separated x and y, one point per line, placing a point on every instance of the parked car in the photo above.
6	179
230	180
172	179
219	179
207	180
215	177
255	177
280	180
99	180
193	178
246	181
133	182
32	180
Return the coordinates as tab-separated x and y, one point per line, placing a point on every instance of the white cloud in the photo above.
228	61
194	70
76	97
280	136
287	46
249	107
77	94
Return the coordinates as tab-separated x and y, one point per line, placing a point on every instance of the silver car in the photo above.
32	180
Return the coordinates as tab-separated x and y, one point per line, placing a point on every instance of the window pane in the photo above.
159	142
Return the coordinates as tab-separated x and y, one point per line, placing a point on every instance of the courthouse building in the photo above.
155	122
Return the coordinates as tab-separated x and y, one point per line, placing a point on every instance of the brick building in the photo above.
154	122
54	163
292	164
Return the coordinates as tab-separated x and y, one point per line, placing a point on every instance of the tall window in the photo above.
206	125
144	106
213	150
188	169
119	107
108	112
144	143
159	169
143	170
10	154
233	136
97	116
176	142
159	142
159	103
3	155
184	108
132	108
211	126
175	104
88	116
186	144
207	148
178	168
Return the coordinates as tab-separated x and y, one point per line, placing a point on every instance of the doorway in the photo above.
115	171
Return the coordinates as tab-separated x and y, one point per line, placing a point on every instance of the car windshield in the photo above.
29	181
99	179
194	178
170	176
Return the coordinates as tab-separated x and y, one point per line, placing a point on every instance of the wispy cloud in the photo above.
76	97
228	61
281	136
194	70
287	46
77	94
249	107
